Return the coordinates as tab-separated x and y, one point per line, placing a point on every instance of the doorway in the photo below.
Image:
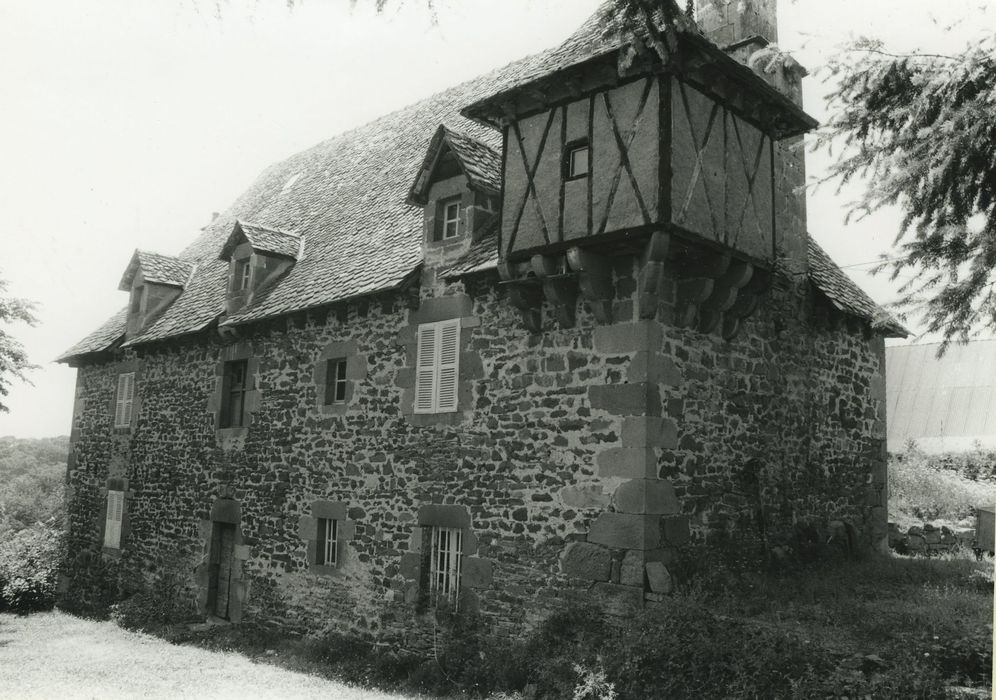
222	564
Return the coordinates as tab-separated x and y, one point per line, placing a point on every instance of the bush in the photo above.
921	489
28	570
165	602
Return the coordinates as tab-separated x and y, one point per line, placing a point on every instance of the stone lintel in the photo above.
442	309
628	338
628	462
626	531
649	431
646	497
444	516
642	399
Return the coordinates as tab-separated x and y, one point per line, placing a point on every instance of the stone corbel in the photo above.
651	276
560	288
748	299
524	294
724	295
594	281
697	287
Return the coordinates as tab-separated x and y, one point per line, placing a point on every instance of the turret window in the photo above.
577	160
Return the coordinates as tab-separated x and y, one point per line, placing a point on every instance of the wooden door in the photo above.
222	563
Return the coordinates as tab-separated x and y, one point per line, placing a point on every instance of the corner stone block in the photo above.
587	561
624	601
631	569
659	578
410	564
476	572
646	496
627	338
626	531
590	496
649	431
653	367
626	399
628	462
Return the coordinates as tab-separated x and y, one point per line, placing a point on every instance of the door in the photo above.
222	563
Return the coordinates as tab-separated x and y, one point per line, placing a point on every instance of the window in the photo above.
437	367
242	273
328	539
447	219
335	381
577	160
236	384
444	564
125	400
115	514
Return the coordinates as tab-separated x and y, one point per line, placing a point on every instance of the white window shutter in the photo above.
449	366
124	400
119	401
129	398
115	515
425	369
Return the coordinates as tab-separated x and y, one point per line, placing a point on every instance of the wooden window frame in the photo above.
124	404
447	205
445	564
437	367
336	381
570	151
113	519
242	279
327	542
233	393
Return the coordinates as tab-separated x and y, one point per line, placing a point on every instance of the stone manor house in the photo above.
555	333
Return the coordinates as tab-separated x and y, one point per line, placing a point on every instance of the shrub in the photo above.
28	570
166	601
920	488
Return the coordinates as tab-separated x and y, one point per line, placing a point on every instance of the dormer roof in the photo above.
157	269
478	161
263	239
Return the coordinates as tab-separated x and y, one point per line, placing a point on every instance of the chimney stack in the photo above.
730	22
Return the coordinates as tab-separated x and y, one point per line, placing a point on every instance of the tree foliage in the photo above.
919	131
13	359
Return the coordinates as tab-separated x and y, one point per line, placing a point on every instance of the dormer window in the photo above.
577	160
243	271
451	218
153	282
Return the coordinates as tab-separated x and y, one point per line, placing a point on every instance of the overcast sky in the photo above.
126	123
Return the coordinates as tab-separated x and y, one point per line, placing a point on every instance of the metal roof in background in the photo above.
944	403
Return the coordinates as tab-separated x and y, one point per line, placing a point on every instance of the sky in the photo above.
126	123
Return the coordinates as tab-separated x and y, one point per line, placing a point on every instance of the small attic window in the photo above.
243	272
136	299
577	160
451	219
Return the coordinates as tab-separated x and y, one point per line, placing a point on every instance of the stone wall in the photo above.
583	460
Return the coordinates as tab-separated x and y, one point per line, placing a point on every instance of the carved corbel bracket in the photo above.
724	295
559	287
524	294
594	281
650	280
748	299
697	287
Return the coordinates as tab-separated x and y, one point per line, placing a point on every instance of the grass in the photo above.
926	487
54	655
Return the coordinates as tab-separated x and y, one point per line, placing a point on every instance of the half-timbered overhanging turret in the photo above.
601	161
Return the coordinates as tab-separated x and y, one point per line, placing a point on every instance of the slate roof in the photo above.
157	268
263	239
346	195
101	339
847	296
482	256
478	161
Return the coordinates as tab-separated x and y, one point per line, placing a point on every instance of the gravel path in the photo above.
53	655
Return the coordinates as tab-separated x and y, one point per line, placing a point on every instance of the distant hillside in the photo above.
32	473
25	455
